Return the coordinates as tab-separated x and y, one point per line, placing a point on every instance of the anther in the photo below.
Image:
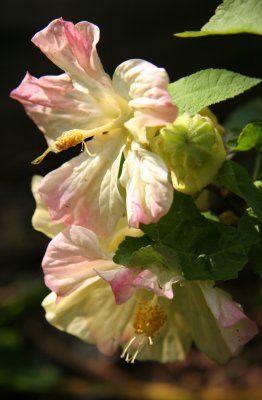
148	320
64	142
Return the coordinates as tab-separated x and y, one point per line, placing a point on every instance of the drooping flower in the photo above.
84	103
154	314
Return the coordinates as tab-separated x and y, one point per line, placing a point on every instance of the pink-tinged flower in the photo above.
152	313
84	103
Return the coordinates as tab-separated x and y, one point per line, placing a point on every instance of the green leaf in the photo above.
183	209
206	87
258	185
210	215
232	16
188	243
235	178
250	111
223	255
250	225
132	247
155	254
206	249
145	256
250	137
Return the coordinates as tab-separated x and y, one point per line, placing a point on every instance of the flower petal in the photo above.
91	314
133	79
41	219
84	191
120	280
56	104
218	325
145	87
125	281
148	190
144	125
72	259
73	49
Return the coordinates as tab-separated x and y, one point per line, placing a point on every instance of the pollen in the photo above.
68	139
64	142
148	319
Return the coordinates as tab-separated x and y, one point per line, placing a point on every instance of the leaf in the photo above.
250	137
210	215
206	249
183	208
129	248
258	185
206	87
250	225
145	256
235	178
232	16
185	240
223	255
248	112
155	254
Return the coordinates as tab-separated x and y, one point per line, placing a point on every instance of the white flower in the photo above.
152	313
83	103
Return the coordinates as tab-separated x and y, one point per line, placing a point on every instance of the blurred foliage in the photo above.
20	369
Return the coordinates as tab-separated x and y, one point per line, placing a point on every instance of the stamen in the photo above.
64	142
39	159
68	139
84	146
132	359
127	347
73	137
149	318
150	340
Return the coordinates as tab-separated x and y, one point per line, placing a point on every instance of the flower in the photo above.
154	314
116	117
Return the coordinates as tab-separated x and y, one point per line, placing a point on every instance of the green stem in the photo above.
257	165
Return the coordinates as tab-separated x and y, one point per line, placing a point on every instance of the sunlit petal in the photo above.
72	258
90	313
149	193
84	191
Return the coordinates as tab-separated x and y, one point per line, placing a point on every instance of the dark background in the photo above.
134	29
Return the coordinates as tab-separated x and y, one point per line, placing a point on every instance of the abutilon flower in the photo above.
152	313
118	117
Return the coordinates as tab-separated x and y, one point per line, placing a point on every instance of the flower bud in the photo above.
192	149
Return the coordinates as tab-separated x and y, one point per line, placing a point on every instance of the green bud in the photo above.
192	149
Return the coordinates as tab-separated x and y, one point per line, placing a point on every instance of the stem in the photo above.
257	166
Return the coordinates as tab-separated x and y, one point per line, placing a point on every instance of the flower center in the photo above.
148	320
73	137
